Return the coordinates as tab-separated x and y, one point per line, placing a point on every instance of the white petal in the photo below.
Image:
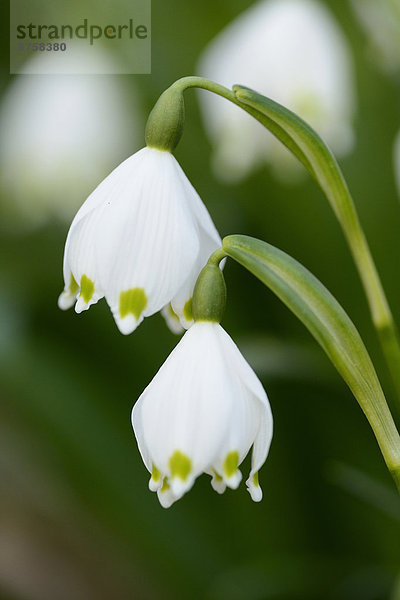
184	410
138	425
68	296
80	260
254	488
197	206
149	238
253	418
180	487
155	485
209	242
82	238
172	320
166	497
218	484
260	452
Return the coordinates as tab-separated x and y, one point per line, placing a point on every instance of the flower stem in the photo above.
216	257
341	201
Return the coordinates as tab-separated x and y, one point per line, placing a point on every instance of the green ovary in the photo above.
180	465
231	463
133	302
87	288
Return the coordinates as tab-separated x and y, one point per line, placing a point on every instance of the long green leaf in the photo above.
320	312
318	159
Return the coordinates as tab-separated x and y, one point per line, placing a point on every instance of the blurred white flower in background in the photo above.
294	52
381	23
59	134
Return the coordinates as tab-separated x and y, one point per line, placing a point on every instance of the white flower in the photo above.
381	22
201	413
293	52
58	135
140	239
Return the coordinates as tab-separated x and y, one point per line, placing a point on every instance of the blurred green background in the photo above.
76	518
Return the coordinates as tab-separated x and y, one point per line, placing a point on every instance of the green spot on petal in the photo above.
217	477
231	463
180	465
87	288
73	286
172	313
155	474
255	479
165	486
133	302
187	310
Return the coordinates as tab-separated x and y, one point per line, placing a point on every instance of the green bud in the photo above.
209	296
164	126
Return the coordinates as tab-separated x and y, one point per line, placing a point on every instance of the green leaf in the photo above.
323	316
315	155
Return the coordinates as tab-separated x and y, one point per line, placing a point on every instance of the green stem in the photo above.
381	314
341	201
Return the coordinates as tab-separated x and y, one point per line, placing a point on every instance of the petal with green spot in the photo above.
132	302
231	463
87	288
73	286
180	465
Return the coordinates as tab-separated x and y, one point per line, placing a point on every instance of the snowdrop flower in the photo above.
295	53
58	135
381	22
140	240
202	412
205	407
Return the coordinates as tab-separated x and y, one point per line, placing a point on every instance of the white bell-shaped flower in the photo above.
140	240
381	22
202	412
293	52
